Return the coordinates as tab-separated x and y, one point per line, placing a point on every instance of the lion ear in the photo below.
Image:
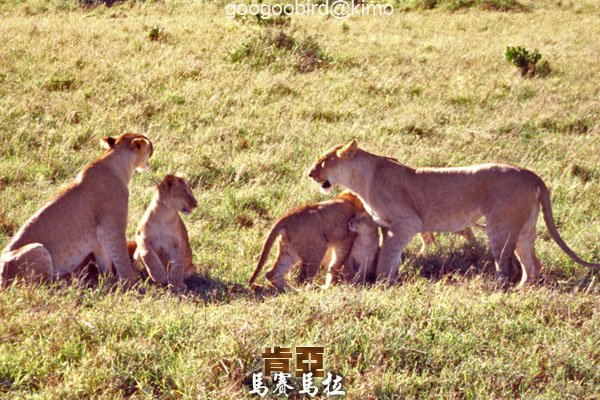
169	181
108	142
348	150
138	143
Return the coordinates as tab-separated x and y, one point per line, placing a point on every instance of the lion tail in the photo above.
275	231
544	198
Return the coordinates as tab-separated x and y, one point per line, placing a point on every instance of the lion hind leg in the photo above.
339	254
276	275
427	239
312	261
467	233
503	248
32	262
525	250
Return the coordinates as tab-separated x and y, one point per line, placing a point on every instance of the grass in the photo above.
430	87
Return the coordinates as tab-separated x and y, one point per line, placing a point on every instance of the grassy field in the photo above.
242	110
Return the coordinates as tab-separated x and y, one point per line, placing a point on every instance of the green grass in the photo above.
430	87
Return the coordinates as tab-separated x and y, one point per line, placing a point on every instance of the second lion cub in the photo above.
163	246
360	265
307	233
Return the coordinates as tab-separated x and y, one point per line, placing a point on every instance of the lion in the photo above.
360	264
88	268
405	201
88	216
307	233
163	246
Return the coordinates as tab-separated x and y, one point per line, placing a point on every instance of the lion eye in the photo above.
322	164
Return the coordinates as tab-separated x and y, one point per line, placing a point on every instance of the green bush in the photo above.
527	61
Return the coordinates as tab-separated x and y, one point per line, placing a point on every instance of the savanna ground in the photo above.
242	110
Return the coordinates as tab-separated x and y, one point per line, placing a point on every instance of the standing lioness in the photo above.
406	201
88	216
163	246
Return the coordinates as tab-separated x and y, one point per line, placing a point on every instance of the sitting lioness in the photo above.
307	233
88	216
406	201
163	246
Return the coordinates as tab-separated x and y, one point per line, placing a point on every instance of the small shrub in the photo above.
155	33
583	173
528	62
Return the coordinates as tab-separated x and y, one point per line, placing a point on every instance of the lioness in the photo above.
307	233
163	246
84	271
406	201
88	216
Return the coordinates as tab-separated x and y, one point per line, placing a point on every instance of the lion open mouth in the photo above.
325	185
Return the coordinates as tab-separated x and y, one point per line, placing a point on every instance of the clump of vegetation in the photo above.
155	33
91	3
279	48
453	5
272	20
583	173
59	83
260	19
527	61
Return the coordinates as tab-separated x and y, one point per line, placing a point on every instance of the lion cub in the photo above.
360	264
163	246
307	233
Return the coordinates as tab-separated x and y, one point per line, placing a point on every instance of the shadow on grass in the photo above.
214	290
468	261
201	285
464	262
442	263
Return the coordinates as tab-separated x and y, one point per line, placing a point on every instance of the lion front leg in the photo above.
102	261
114	243
32	262
394	242
177	275
147	257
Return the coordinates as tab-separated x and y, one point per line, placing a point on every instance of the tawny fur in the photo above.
88	216
359	267
163	246
306	234
90	260
405	201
